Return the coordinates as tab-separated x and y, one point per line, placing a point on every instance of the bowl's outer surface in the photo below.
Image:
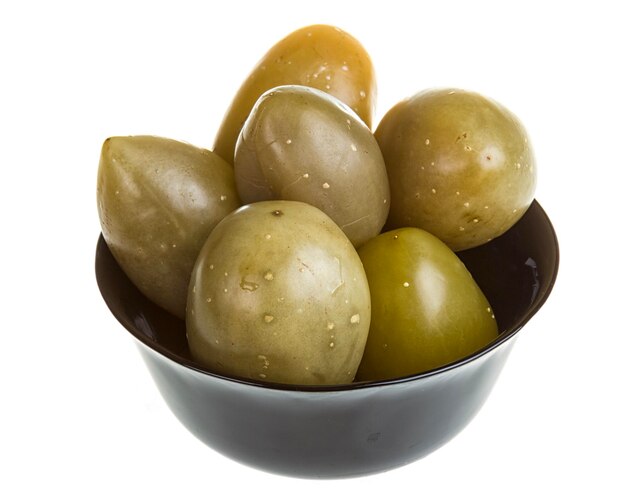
326	434
350	430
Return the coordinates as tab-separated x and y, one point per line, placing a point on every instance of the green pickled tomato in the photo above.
158	200
427	310
459	165
302	144
318	56
279	294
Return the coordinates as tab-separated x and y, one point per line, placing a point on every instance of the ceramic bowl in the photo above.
344	430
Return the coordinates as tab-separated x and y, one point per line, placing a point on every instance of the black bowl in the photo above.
352	429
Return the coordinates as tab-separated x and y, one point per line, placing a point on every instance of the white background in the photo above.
80	415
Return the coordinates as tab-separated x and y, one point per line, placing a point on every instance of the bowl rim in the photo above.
502	338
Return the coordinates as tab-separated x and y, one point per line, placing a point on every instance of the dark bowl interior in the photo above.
351	429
